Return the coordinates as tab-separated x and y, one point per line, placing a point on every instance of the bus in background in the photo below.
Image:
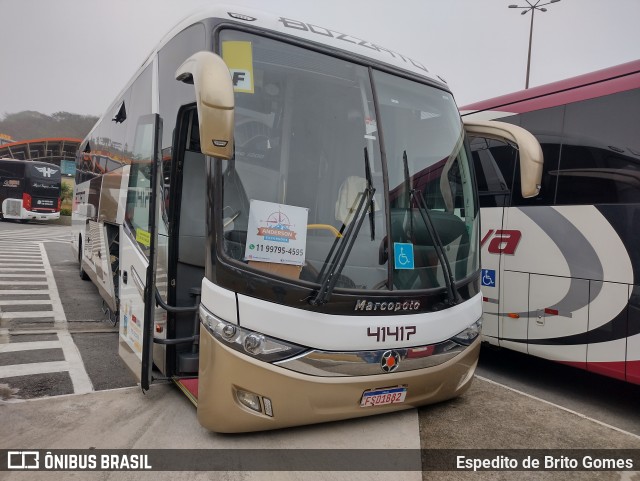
561	271
291	230
29	190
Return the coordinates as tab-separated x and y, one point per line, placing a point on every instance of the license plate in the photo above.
380	397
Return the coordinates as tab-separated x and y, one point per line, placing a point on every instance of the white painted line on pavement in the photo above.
19	257
34	368
22	302
13	243
79	376
583	416
22	264
25	314
29	346
20	250
18	332
14	274
101	392
56	303
24	292
27	283
24	267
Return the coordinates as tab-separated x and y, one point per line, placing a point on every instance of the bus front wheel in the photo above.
83	274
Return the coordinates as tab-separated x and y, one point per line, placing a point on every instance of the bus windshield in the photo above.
315	136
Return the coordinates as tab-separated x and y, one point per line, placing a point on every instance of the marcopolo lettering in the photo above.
394	306
325	32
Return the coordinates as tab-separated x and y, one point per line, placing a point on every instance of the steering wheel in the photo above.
252	135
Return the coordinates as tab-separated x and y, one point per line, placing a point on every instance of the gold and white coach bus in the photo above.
284	217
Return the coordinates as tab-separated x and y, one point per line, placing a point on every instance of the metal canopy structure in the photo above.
52	150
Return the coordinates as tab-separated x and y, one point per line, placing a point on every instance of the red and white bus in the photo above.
561	270
29	190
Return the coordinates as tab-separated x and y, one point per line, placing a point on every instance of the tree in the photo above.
66	192
29	124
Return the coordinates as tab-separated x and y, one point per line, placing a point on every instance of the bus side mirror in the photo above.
531	160
214	97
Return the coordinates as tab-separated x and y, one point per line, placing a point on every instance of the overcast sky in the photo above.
76	55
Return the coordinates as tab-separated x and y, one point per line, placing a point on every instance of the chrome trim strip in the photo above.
354	363
367	363
137	280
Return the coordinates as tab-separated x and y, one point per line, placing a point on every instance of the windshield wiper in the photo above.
332	268
452	295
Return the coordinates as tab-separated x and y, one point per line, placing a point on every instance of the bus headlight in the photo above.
470	334
248	342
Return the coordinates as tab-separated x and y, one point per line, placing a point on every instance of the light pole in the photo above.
532	7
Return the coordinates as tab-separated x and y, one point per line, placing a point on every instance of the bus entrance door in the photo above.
138	253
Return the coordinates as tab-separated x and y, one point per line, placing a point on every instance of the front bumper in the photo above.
298	399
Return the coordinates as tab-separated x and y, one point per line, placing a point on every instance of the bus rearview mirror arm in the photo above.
214	99
531	159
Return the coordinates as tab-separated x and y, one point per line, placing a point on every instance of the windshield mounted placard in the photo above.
276	233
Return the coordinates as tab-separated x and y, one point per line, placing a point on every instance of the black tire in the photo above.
83	274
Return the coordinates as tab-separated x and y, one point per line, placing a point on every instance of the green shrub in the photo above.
65	211
66	191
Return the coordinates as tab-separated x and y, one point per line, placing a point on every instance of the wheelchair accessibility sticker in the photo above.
488	277
403	254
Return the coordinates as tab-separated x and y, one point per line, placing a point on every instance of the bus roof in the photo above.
595	84
308	31
322	36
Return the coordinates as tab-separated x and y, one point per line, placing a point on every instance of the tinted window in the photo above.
139	146
494	163
600	161
546	125
173	94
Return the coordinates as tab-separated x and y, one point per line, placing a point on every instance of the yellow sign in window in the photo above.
239	58
143	237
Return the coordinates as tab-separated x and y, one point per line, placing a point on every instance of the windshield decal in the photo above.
276	233
325	32
239	58
403	254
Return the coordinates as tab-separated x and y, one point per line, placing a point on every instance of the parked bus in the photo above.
560	272
293	235
29	190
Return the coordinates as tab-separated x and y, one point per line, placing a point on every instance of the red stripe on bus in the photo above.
633	372
583	87
614	369
629	371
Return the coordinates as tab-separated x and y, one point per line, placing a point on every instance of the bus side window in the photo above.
494	166
546	125
600	161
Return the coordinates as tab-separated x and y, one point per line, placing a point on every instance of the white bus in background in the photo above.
291	229
561	271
